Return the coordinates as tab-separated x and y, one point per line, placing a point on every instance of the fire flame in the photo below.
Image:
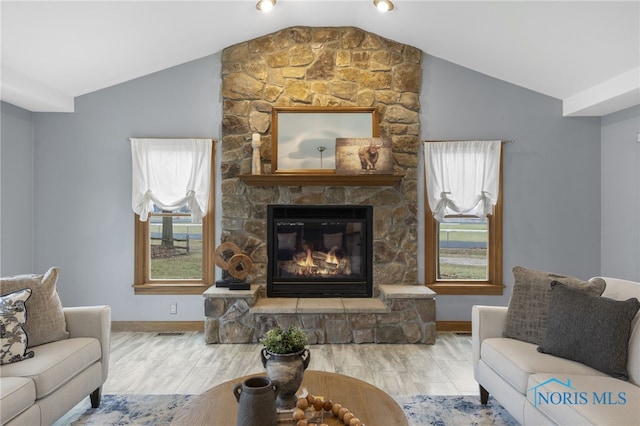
307	265
308	261
331	258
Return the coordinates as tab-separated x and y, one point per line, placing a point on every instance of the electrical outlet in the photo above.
173	309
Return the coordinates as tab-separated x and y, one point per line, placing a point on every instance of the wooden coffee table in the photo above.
218	405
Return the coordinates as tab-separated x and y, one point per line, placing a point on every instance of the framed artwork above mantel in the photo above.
304	138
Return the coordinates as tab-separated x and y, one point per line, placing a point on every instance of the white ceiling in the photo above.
586	53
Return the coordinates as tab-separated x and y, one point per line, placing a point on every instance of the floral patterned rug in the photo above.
159	410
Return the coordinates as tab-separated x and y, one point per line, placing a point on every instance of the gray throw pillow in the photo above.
45	322
529	304
591	330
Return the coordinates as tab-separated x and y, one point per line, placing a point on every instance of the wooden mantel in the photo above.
319	179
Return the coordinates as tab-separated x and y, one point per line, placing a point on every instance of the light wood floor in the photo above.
148	363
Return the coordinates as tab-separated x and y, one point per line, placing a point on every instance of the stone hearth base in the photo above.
401	314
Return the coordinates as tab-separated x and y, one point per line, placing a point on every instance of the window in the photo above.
462	248
173	248
463	251
173	255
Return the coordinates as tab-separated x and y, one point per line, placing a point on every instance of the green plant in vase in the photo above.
279	341
285	357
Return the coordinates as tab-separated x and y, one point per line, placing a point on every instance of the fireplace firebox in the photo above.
319	251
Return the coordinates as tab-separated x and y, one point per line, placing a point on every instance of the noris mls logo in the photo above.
572	396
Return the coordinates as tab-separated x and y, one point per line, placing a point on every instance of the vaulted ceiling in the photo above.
585	53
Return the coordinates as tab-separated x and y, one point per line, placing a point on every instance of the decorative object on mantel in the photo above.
235	266
298	134
356	156
256	167
285	358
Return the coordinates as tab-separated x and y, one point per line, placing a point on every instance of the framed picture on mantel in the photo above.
363	156
304	138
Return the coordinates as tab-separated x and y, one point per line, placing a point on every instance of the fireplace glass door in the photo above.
319	251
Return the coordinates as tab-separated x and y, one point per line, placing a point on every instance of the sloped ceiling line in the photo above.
584	53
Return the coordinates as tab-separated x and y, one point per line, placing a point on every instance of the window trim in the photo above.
494	285
143	284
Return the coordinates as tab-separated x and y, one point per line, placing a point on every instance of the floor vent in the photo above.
462	333
170	333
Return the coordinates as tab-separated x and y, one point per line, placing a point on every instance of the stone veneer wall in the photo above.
341	66
401	314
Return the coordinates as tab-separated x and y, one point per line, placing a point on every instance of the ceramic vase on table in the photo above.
286	371
256	398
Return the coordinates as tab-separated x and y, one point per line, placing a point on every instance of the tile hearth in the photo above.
401	314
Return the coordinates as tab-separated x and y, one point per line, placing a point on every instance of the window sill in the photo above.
170	288
467	288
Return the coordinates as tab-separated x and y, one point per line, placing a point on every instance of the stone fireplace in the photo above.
342	66
336	66
319	251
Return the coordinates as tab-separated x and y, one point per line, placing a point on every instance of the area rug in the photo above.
453	410
159	410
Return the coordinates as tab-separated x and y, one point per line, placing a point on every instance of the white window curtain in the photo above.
170	173
462	176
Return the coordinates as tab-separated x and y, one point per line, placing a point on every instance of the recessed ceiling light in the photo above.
265	5
383	5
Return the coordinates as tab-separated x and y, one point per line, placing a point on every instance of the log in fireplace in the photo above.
319	251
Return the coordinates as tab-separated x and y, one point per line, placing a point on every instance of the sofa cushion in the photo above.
13	316
45	322
619	289
571	399
515	360
529	304
588	329
18	394
55	363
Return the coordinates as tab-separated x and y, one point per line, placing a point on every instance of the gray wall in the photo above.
551	172
621	195
16	190
83	219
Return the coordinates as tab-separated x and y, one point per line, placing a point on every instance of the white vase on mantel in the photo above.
256	167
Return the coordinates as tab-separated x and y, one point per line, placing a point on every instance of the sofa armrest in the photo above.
92	321
486	322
